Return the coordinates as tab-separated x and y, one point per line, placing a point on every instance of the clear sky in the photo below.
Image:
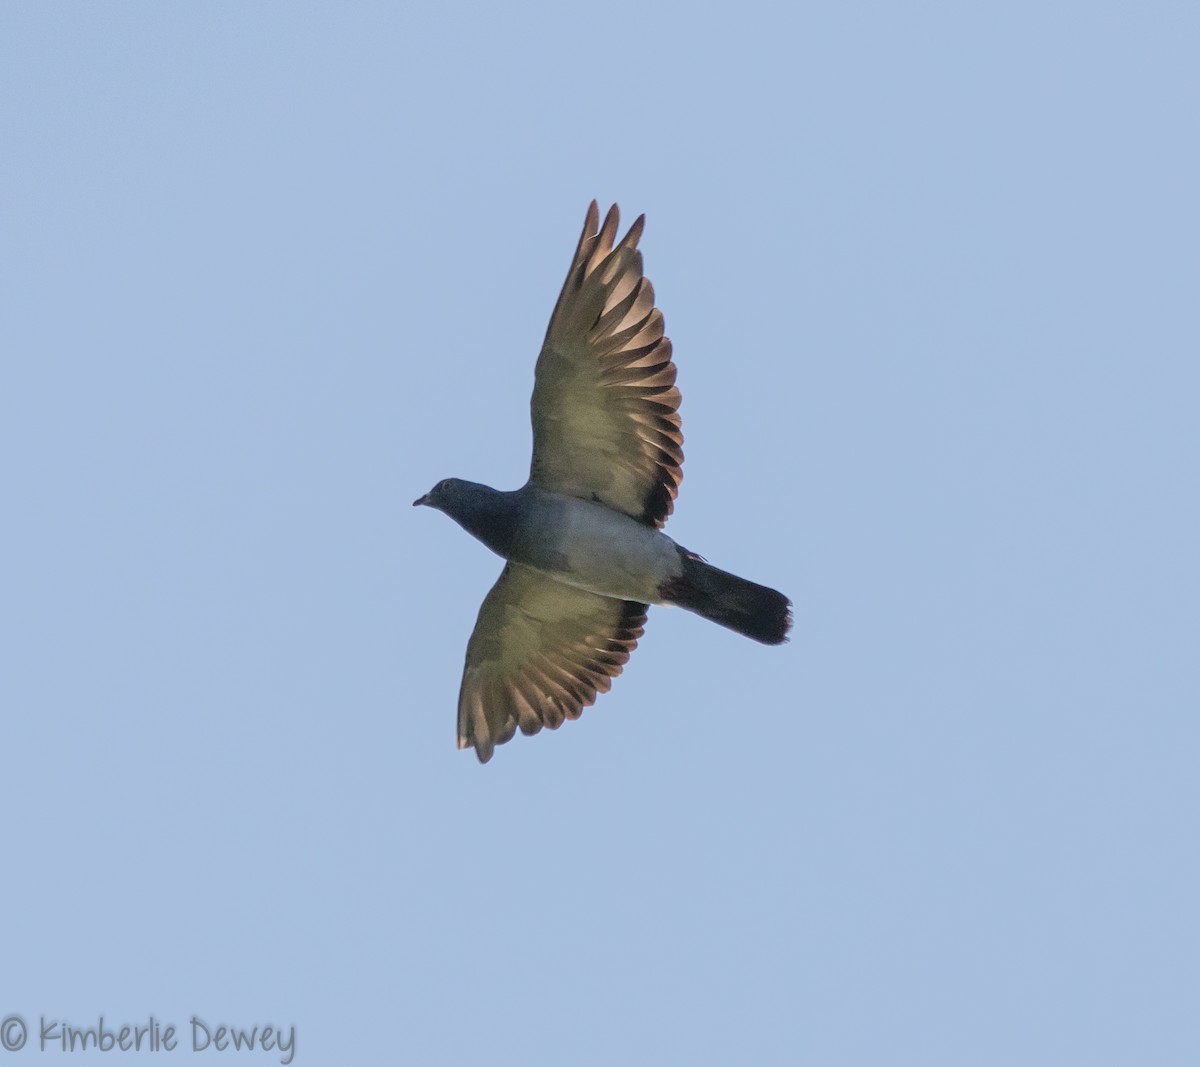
931	273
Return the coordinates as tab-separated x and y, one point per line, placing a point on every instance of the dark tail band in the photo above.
750	609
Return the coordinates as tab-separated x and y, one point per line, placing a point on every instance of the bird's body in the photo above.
576	542
607	552
582	538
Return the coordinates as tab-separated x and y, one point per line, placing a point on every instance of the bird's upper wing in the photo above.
605	407
540	653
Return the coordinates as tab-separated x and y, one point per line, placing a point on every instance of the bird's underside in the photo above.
607	431
606	428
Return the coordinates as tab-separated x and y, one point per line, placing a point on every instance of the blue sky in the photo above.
931	275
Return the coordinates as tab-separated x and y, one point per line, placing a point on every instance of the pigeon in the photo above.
582	539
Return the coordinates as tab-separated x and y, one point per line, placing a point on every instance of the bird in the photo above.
582	539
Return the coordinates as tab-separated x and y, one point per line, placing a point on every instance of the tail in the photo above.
750	609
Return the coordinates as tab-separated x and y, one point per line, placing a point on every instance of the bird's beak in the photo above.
421	500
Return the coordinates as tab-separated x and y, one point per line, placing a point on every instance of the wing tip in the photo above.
484	750
634	235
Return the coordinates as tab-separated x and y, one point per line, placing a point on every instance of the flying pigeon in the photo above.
582	539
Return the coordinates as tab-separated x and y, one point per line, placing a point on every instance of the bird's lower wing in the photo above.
540	653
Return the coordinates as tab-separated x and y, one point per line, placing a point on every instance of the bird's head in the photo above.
442	494
482	511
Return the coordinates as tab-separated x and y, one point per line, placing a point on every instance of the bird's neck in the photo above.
489	515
